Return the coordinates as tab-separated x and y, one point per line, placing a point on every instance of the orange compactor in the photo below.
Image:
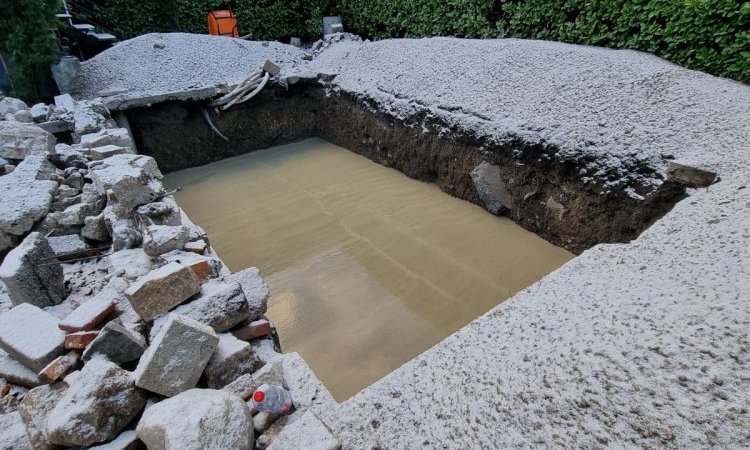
222	22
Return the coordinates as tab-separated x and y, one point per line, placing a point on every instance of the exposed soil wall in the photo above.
548	197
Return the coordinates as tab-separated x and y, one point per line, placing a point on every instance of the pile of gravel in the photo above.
155	64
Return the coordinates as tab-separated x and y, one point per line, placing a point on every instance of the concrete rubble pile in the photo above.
119	326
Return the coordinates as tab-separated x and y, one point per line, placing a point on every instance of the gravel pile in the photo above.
155	64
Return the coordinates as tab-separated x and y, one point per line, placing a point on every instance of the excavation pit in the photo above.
367	267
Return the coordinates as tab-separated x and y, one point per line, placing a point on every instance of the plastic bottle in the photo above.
272	399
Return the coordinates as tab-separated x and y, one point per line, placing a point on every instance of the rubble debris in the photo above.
102	400
130	263
14	436
95	228
231	359
15	372
198	419
243	386
90	314
31	336
161	290
19	140
252	330
31	275
35	408
255	290
117	343
693	177
177	356
160	239
71	243
129	180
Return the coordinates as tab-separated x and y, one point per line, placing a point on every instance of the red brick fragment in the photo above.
253	330
80	340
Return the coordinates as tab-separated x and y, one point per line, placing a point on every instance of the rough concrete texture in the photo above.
102	400
15	372
117	343
105	151
164	64
71	243
130	180
34	167
35	409
161	290
221	306
198	419
31	275
19	140
31	336
25	201
231	359
177	356
160	239
14	435
308	432
255	290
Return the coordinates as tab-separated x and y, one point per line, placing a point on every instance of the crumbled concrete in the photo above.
231	359
30	335
177	356
117	343
40	112
95	228
198	419
19	140
35	408
104	152
308	432
34	167
32	275
130	263
14	436
129	180
89	117
10	105
24	203
161	290
220	306
110	136
98	405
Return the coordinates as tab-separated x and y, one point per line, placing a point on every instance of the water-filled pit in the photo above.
367	267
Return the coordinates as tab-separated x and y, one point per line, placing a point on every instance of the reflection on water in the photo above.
367	267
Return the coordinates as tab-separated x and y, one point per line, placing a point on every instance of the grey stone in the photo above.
123	231
263	420
243	387
23	116
117	343
220	306
231	359
75	180
89	117
35	408
165	212
105	151
102	400
95	228
198	419
690	176
177	356
31	336
24	203
75	215
71	243
35	167
110	136
10	105
130	263
127	440
29	274
491	188
554	208
40	112
19	140
255	290
160	239
306	389
15	372
129	181
161	290
13	436
66	156
309	432
65	102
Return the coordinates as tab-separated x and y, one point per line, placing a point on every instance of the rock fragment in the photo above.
105	151
253	330
102	400
689	176
25	201
308	432
79	340
177	356
491	188
130	263
231	359
14	436
65	245
198	419
255	290
95	228
129	180
160	239
31	274
161	290
127	440
31	336
35	408
117	343
19	140
243	386
15	372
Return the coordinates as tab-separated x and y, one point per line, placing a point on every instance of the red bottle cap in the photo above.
258	396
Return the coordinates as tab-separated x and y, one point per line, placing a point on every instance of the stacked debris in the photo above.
118	322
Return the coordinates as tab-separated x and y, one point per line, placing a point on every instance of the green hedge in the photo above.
708	35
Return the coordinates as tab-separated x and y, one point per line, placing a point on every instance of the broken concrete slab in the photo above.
231	359
117	343
79	340
65	102
89	117
102	400
31	336
31	275
60	366
202	266
221	306
89	314
14	436
95	228
129	180
161	290
255	290
160	239
164	212
177	356
24	202
10	105
308	432
19	140
123	231
35	408
40	112
15	372
34	167
198	419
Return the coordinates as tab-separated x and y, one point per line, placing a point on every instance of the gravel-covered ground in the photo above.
639	344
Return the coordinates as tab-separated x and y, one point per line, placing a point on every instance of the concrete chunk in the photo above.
25	201
105	151
117	343
199	419
16	373
31	275
690	176
34	410
64	245
19	140
31	336
231	359
14	436
308	432
102	400
160	239
34	167
130	180
243	387
161	290
177	356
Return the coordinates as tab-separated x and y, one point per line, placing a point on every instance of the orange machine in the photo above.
222	23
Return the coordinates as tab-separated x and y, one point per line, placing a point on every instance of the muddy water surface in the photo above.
367	267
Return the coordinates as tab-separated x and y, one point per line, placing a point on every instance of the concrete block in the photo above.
255	290
31	336
117	343
231	359
35	408
15	372
129	181
31	274
161	290
14	436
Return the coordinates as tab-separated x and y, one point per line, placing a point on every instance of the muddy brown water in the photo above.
367	267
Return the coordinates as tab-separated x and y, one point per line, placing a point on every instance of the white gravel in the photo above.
159	64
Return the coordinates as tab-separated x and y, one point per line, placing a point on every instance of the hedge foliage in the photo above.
28	42
708	35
